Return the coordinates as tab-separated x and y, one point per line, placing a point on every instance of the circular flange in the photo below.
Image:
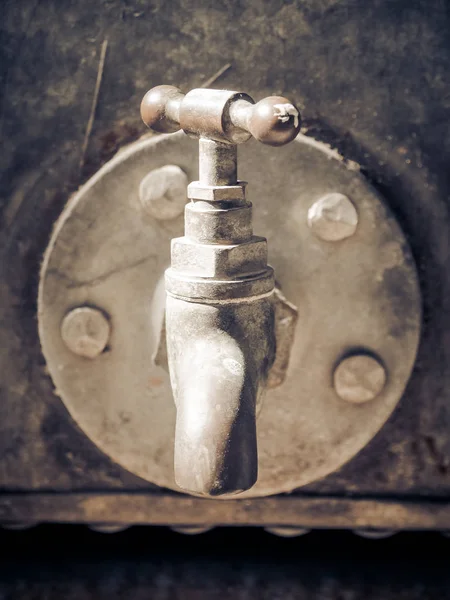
355	295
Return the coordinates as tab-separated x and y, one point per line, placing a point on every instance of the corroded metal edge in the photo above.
312	512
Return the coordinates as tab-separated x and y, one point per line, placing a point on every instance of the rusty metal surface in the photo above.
310	512
374	85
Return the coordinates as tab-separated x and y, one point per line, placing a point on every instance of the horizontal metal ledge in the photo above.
171	509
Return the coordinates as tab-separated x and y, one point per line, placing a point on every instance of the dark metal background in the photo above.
372	80
49	563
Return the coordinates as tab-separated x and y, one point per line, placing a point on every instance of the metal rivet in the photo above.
85	331
333	218
190	530
162	192
287	532
108	527
359	378
374	534
19	525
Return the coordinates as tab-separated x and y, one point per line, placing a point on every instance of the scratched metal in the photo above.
370	80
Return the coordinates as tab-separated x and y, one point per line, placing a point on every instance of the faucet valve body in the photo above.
219	259
219	310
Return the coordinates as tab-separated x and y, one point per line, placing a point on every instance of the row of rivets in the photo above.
193	530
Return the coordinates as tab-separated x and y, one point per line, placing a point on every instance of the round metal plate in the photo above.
361	292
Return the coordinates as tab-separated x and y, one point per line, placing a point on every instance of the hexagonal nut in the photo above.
197	191
217	261
333	218
207	224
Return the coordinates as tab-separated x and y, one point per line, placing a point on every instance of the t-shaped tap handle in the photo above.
221	115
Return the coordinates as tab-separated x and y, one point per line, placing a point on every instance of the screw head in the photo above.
333	218
359	378
86	331
162	192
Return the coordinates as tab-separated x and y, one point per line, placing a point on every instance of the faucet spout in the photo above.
218	367
220	339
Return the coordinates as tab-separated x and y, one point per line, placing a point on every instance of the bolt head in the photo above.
359	378
162	192
333	218
86	331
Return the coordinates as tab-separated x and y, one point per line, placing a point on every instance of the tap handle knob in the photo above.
160	108
274	121
221	115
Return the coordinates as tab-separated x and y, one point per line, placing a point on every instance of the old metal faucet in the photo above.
219	311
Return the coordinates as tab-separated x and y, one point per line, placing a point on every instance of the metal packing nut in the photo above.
220	261
207	222
211	193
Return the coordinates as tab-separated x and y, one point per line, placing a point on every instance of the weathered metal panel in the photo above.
372	81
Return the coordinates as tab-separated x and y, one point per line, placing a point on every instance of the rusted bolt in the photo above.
359	378
162	192
85	331
333	217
